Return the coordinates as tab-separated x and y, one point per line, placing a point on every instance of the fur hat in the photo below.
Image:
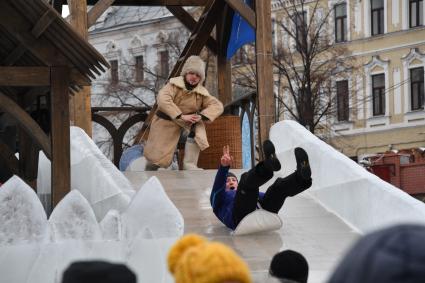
196	65
98	271
193	259
289	265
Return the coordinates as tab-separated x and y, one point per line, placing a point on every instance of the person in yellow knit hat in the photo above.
194	259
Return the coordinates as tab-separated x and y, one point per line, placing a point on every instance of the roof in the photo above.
32	33
119	17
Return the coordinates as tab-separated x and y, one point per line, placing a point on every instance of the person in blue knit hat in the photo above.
232	200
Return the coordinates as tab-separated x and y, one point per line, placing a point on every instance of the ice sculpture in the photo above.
98	180
152	268
23	225
111	226
22	216
342	186
73	218
16	262
54	258
152	211
44	191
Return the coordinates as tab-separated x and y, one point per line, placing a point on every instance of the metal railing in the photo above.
118	134
244	104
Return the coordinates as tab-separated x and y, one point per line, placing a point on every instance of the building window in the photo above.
340	22
242	56
342	100
139	69
377	16
163	61
416	13
417	88
378	94
300	29
114	71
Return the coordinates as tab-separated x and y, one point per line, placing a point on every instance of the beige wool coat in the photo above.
174	99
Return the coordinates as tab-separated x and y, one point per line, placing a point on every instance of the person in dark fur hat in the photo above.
289	266
391	255
232	200
98	272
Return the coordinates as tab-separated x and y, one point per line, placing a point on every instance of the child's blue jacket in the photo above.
221	200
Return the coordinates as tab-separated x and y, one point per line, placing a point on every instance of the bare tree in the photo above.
244	70
127	88
306	62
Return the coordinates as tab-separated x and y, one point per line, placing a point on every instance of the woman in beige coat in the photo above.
183	105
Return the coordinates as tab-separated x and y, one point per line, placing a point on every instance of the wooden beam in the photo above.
224	66
80	113
28	159
244	10
24	76
7	155
15	55
200	35
154	2
60	137
186	19
43	23
57	5
97	10
29	97
264	57
41	48
27	123
78	79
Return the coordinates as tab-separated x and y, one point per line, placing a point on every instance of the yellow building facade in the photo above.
386	91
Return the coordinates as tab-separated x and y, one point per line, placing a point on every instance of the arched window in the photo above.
377	92
413	67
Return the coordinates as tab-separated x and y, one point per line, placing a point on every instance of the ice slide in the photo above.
34	248
360	198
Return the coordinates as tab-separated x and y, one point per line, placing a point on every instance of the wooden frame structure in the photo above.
41	54
217	14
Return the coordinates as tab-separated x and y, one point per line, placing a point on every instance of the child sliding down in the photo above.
232	200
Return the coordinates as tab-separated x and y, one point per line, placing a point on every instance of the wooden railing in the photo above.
244	104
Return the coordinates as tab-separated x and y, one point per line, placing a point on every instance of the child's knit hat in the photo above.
193	259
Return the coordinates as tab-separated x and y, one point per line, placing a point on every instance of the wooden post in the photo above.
224	66
81	101
61	159
264	56
224	69
28	159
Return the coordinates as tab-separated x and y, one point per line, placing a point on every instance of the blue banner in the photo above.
241	34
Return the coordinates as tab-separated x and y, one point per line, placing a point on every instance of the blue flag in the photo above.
241	34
